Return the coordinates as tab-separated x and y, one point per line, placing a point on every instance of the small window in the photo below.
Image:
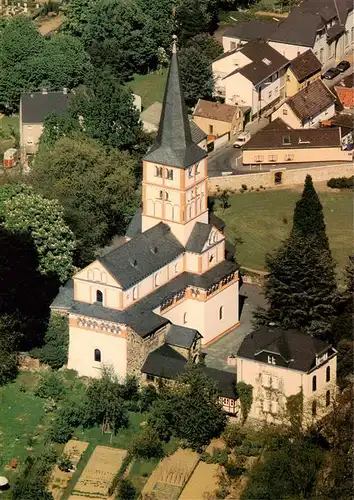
286	140
184	318
97	355
150	378
288	157
225	401
278	178
197	168
314	383
156	279
158	171
99	297
161	195
285	111
288	78
272	157
314	408
328	374
166	196
211	258
135	293
328	398
276	90
169	174
270	94
29	140
259	158
190	172
176	268
211	129
221	311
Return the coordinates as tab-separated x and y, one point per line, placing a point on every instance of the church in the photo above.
169	289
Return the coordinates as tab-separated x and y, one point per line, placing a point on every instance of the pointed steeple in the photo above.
174	146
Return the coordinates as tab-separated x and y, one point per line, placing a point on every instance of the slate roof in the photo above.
180	336
198	134
265	62
251	30
36	106
225	381
215	111
173	145
135	225
277	124
347	82
305	65
335	31
140	315
214	220
198	237
311	100
143	255
345	120
296	348
295	139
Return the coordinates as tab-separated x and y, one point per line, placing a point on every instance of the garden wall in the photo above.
289	177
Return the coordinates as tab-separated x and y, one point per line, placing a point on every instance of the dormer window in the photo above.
321	359
286	140
169	174
271	360
158	171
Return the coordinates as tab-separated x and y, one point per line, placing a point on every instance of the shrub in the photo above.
245	391
244	187
147	444
50	386
119	476
67	419
224	200
64	463
233	436
341	182
55	350
148	395
125	490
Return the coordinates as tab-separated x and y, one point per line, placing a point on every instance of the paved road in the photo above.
223	160
217	353
335	81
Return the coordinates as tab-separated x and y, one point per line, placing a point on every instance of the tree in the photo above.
95	186
207	45
125	490
56	127
192	18
56	342
108	113
43	219
147	444
9	342
105	404
301	286
196	75
190	409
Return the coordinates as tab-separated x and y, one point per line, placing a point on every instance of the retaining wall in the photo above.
289	177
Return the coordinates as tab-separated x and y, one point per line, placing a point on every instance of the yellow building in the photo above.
217	119
304	69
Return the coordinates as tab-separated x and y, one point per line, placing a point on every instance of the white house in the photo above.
325	26
252	75
312	105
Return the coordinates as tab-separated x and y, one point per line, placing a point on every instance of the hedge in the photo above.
341	182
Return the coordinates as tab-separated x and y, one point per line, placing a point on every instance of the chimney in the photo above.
65	90
44	91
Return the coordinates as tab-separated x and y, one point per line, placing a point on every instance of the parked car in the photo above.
331	73
343	66
242	138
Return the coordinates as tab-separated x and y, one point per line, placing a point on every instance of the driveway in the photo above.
251	297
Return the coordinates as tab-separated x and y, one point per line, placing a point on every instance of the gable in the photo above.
203	237
214	236
96	272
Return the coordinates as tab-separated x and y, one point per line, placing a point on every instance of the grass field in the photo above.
264	219
150	87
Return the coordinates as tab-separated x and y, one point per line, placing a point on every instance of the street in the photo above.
223	161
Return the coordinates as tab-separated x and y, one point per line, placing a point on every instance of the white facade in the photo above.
290	118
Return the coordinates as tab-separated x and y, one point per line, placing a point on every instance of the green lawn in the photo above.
150	87
7	123
264	219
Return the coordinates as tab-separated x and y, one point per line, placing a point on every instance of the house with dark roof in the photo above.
169	286
302	71
309	107
345	122
281	363
217	119
273	145
324	26
252	75
247	31
345	91
35	107
150	118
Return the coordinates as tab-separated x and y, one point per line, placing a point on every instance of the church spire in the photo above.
174	146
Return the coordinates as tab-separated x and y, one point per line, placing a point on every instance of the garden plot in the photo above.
203	482
98	474
59	479
168	479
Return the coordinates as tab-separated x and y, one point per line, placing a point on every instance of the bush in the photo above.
147	395
244	187
147	444
119	476
125	490
217	457
50	386
233	436
64	463
341	182
63	427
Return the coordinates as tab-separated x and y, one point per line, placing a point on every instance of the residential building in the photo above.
247	31
150	119
171	270
169	361
345	91
217	119
324	26
35	107
281	363
346	124
308	107
274	145
253	75
302	71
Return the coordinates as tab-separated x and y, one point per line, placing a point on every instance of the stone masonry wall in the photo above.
138	349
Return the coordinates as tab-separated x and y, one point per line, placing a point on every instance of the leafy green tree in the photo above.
19	40
125	490
56	127
147	444
50	386
9	342
207	45
192	18
77	15
43	219
108	113
56	342
161	14
147	396
95	186
301	286
67	418
196	75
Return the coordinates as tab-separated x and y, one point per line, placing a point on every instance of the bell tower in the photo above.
175	172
